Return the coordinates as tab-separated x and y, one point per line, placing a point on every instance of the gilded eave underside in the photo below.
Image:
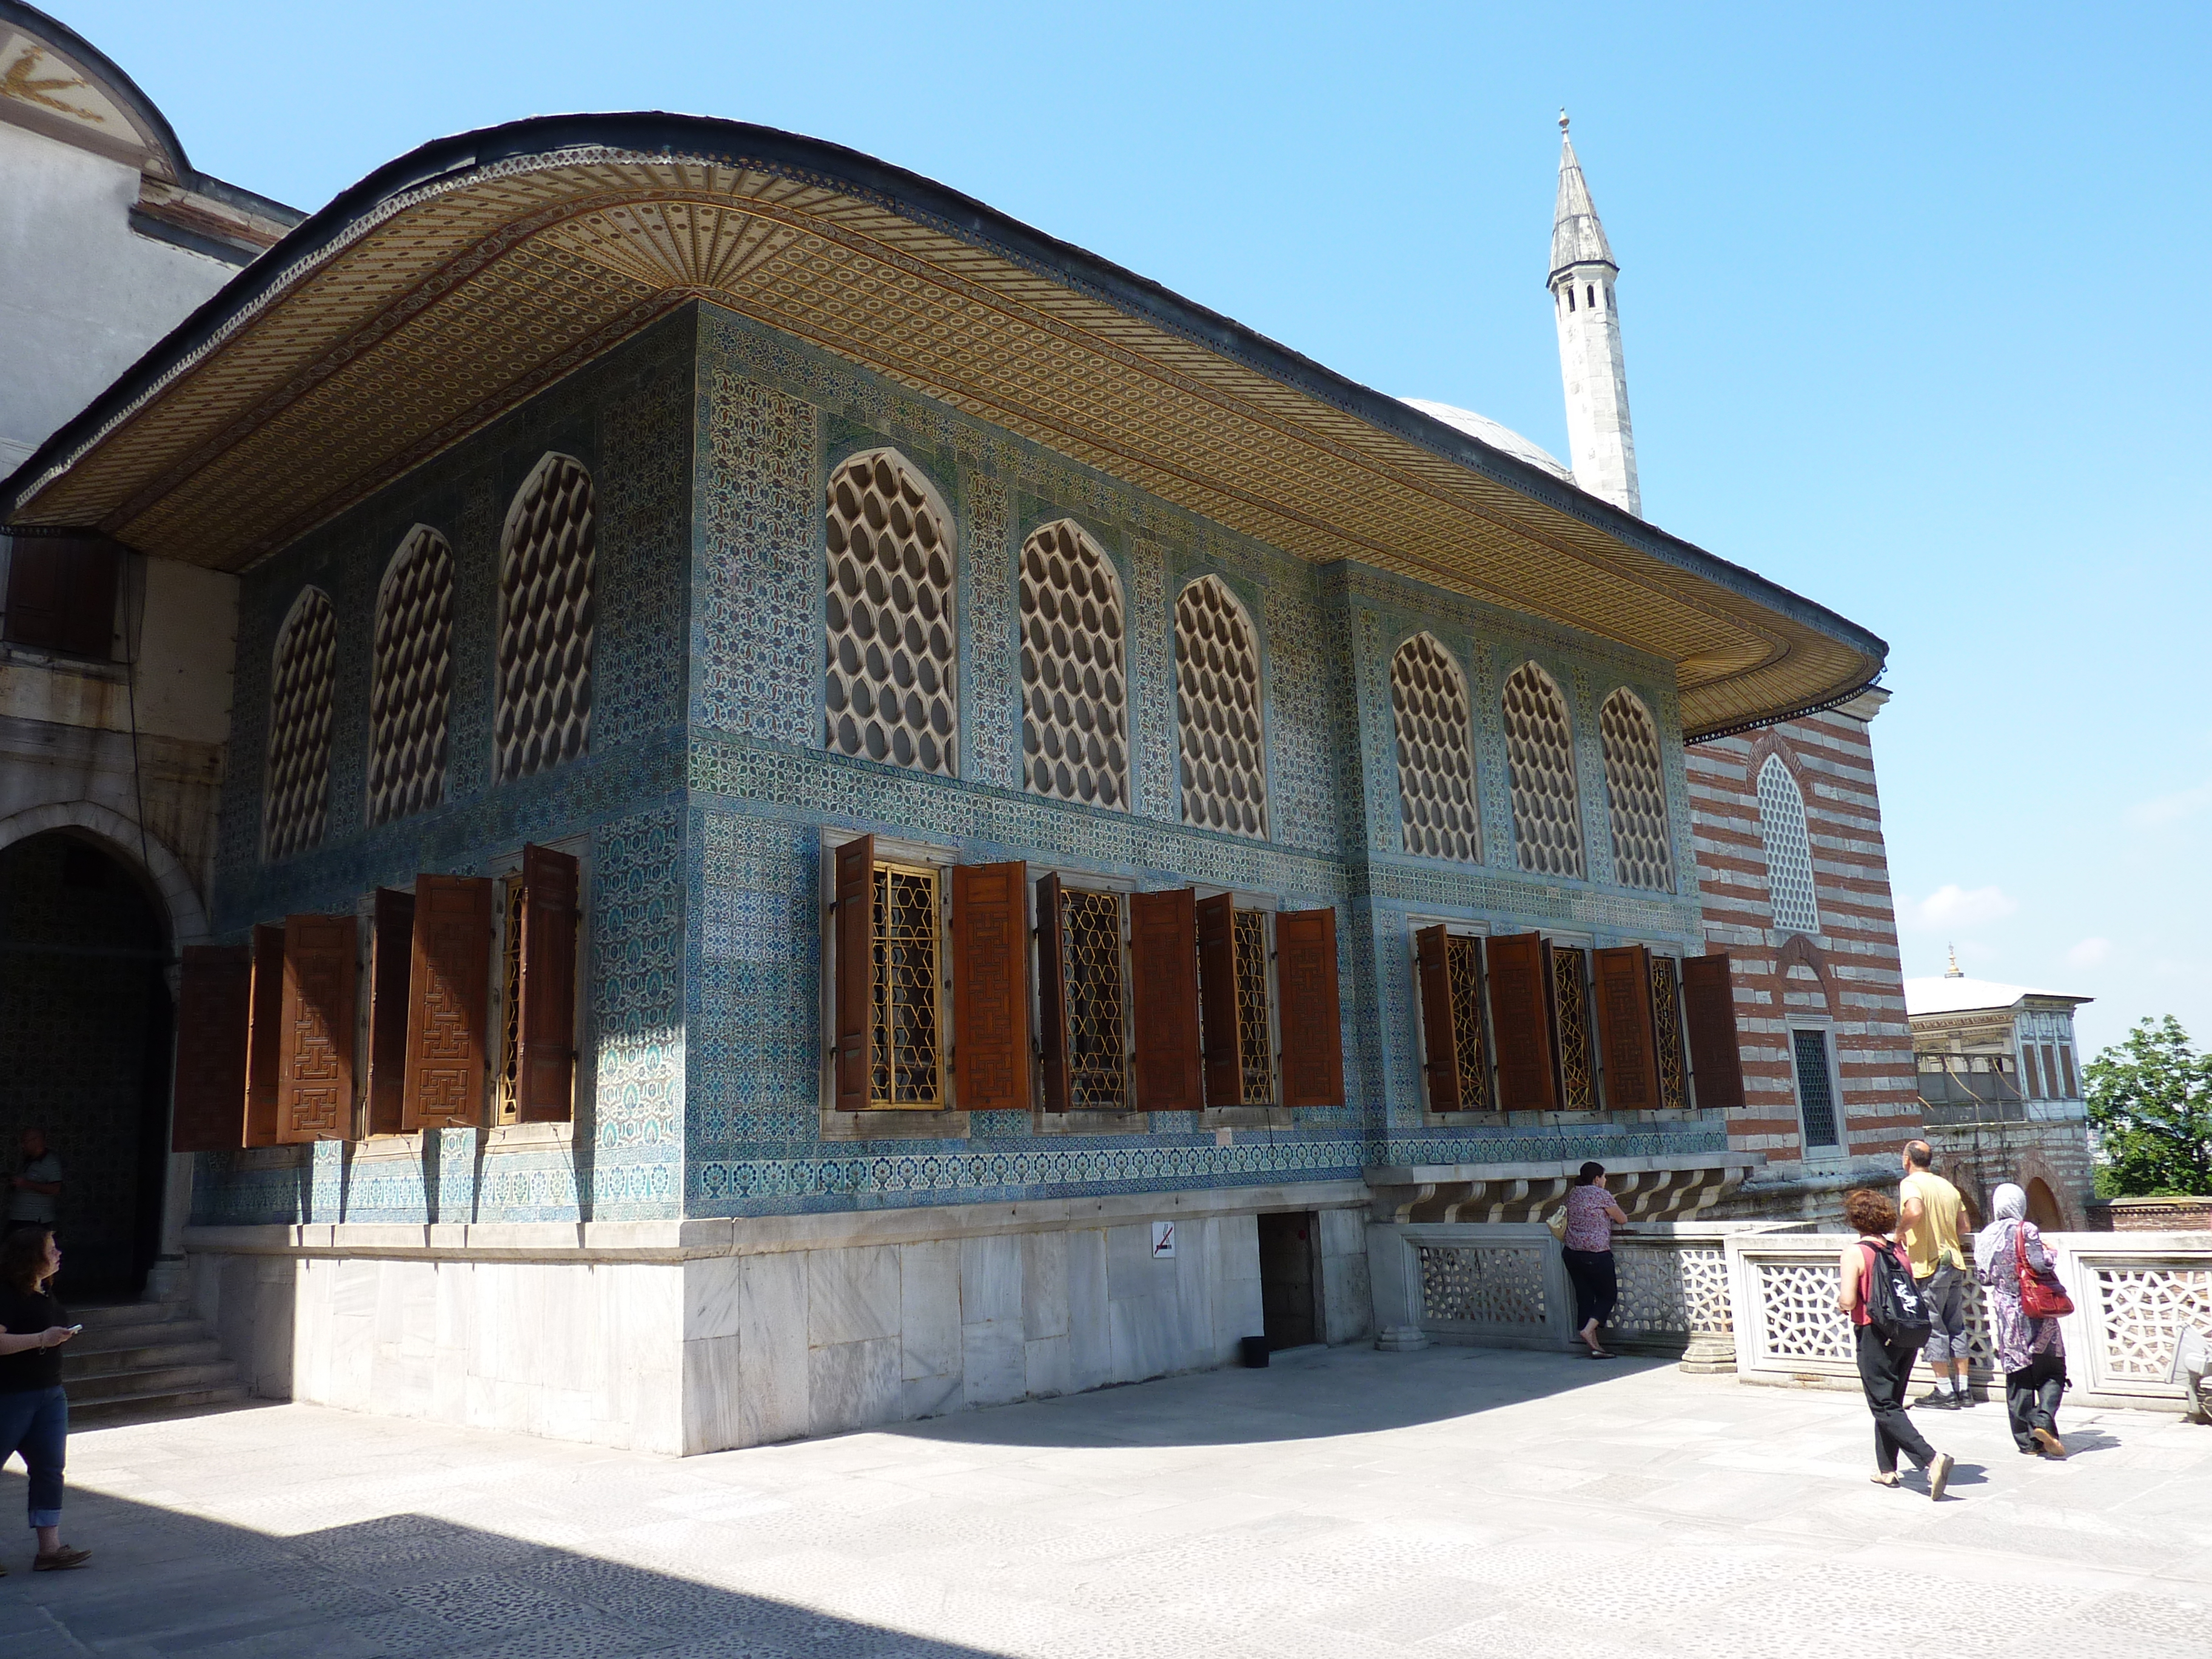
447	302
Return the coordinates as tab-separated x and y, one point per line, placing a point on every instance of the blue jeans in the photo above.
36	1422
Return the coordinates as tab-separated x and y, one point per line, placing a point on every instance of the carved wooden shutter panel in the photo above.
1217	999
265	1018
546	1070
391	957
1626	1035
991	986
1312	1019
1709	1010
1052	997
448	999
855	994
1163	964
214	992
1440	1065
1521	1023
314	1061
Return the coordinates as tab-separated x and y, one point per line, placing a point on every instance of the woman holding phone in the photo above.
33	1410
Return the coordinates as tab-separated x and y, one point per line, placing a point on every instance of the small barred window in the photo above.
1436	751
1075	706
296	789
546	612
1539	747
1636	794
1788	849
890	674
413	678
1225	779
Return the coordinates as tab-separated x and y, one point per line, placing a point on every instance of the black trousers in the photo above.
1596	1286
1886	1368
2032	1397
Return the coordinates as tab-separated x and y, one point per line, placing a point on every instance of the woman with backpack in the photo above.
1875	1287
2030	1351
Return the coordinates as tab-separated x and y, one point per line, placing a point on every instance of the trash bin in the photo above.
1254	1349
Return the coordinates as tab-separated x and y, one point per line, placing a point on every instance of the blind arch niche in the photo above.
890	669
548	559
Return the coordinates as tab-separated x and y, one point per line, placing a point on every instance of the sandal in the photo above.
1883	1479
60	1560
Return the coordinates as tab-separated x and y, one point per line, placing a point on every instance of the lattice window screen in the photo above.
1225	779
1075	710
545	620
1540	745
295	793
413	678
1436	751
1789	850
1635	793
890	673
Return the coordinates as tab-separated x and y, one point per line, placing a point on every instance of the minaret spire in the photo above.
1601	443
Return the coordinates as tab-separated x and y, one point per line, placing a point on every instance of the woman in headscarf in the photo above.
2029	1351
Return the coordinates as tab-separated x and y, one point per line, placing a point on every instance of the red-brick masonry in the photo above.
2152	1215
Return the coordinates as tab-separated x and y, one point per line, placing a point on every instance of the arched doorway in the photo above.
2043	1206
84	1047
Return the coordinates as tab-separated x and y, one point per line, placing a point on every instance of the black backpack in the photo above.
1894	1306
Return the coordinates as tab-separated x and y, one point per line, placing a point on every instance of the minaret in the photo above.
1600	446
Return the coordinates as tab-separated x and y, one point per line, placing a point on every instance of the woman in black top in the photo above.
33	1410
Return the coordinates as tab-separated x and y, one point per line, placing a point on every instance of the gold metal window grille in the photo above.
1667	1011
1571	996
1090	969
506	1082
1463	964
1255	1069
908	1072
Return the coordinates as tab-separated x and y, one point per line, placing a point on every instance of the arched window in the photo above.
412	680
547	553
1225	776
296	790
1540	746
1789	850
890	674
1436	751
1074	714
1635	793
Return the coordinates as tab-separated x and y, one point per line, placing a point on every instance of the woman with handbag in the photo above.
2025	1300
1583	1226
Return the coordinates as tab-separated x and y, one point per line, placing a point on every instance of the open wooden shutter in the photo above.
991	986
1709	1010
214	990
391	953
855	995
1312	1021
545	1070
442	1083
1440	1063
314	1059
1052	997
1216	919
1164	966
264	1020
61	594
1626	1037
1521	1023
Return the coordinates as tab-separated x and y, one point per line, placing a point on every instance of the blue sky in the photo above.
1912	299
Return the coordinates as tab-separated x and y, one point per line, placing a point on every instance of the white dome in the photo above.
1497	436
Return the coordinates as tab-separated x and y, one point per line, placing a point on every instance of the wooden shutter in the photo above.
855	995
264	1020
1164	966
214	990
1217	991
991	986
314	1059
61	594
1312	1021
1440	1063
545	1070
1521	1023
448	994
391	952
1709	1012
1627	1038
1052	997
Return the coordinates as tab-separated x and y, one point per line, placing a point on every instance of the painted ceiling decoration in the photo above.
456	282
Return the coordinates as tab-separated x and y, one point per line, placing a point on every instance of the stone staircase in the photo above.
141	1359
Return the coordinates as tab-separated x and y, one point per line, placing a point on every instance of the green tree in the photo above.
2150	1103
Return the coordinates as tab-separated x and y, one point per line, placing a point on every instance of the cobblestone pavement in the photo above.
1448	1503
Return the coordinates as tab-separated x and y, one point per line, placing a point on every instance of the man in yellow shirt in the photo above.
1929	1208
